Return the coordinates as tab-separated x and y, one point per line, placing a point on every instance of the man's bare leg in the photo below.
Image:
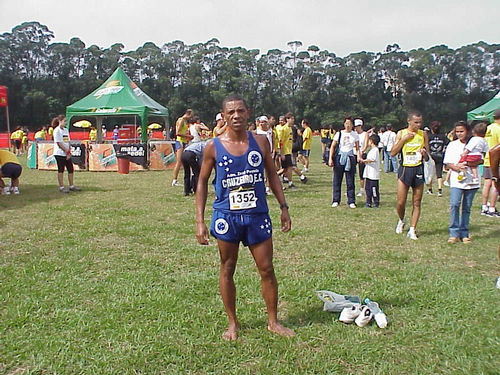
178	162
263	255
228	258
402	193
417	201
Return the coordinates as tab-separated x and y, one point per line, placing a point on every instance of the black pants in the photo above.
338	175
372	192
190	163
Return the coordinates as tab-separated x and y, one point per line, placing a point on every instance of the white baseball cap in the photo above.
358	122
263	118
218	117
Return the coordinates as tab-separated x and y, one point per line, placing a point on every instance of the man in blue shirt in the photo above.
240	209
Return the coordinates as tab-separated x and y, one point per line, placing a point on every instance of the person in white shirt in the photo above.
343	155
462	192
475	149
371	173
62	153
388	140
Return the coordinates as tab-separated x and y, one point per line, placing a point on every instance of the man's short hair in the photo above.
413	113
189	111
289	115
388	127
233	98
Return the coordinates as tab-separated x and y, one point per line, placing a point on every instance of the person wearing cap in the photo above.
220	126
363	144
10	168
413	144
493	138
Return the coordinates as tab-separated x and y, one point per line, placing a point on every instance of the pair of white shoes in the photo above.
7	190
361	315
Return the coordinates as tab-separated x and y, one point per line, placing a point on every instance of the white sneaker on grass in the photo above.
15	190
364	317
335	204
6	190
352	205
175	183
412	235
400	226
348	314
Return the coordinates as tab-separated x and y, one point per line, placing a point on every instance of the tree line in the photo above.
44	77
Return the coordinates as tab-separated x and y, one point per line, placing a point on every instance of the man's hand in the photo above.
286	222
409	135
202	233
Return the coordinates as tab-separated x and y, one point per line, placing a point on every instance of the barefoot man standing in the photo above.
240	209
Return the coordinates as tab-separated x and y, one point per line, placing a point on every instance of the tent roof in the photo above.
485	112
119	95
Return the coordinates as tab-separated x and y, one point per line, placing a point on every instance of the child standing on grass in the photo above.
474	151
371	172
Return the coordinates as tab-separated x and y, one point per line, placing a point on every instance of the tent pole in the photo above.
98	121
8	126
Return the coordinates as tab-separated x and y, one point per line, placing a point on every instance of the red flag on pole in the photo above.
3	96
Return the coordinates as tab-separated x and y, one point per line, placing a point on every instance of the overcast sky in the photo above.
342	27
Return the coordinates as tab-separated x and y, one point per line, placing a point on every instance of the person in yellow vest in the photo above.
10	168
41	135
50	132
181	141
93	134
413	144
306	145
493	138
24	140
16	138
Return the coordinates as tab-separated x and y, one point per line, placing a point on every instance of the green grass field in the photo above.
111	280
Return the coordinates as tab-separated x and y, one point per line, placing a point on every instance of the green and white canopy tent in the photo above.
118	96
485	112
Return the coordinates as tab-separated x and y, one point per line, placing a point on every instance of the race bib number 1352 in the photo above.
242	199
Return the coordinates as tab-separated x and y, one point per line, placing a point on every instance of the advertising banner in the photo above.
45	156
102	157
79	156
3	96
161	155
137	153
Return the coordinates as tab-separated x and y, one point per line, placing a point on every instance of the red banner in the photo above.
3	96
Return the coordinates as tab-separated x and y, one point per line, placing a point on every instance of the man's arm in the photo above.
201	193
400	141
274	182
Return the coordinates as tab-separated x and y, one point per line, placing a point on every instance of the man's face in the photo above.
282	120
415	122
290	120
236	115
263	124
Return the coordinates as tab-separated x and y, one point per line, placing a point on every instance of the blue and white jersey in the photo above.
239	182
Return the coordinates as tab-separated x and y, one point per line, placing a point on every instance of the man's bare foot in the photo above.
231	333
280	330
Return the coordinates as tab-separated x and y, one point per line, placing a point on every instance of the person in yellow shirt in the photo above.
16	138
306	145
10	168
41	135
277	130
413	143
93	134
493	138
182	139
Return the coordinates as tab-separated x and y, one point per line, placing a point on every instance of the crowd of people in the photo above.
359	150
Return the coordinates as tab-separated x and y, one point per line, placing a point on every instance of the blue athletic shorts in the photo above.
178	145
251	229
